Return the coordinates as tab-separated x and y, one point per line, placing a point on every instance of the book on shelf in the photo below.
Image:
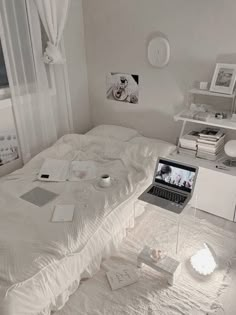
189	140
209	140
211	133
212	142
207	143
187	151
209	156
212	146
213	150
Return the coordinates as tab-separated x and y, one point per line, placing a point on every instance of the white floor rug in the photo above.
191	295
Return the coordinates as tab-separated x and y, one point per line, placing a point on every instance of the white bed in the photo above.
41	263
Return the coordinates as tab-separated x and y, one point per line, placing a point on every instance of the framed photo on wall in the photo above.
122	87
224	78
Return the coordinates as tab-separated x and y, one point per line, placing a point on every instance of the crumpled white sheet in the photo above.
39	260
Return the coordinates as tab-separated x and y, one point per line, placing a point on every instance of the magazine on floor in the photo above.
122	277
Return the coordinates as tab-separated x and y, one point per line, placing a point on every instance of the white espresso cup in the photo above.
105	180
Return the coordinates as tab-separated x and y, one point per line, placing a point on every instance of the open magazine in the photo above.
123	276
54	170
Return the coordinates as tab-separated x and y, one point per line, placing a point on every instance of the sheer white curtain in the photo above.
53	14
41	103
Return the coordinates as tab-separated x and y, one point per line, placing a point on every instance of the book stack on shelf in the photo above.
210	143
206	144
188	143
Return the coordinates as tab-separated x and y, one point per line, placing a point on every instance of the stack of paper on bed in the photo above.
61	170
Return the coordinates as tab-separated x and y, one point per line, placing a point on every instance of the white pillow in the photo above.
116	132
157	147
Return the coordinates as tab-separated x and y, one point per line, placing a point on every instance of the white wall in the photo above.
116	38
77	66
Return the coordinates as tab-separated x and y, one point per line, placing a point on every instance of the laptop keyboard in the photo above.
168	195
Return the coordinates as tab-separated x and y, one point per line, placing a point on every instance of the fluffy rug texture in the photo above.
191	294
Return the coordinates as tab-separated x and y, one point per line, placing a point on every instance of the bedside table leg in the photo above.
181	134
171	280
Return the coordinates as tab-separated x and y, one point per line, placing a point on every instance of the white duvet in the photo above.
34	252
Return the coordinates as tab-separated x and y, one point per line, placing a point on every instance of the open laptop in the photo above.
172	185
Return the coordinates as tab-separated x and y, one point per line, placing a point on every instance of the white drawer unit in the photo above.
215	189
215	192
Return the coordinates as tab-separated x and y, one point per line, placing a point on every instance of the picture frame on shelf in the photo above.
224	78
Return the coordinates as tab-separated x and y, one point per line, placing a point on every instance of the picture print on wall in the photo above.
123	87
224	78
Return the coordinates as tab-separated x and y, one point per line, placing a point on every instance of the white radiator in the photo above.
8	147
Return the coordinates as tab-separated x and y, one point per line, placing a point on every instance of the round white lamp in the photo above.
230	151
204	261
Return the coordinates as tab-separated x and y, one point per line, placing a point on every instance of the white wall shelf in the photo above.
209	93
221	123
213	178
226	123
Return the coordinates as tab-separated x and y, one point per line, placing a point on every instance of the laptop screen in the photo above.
175	175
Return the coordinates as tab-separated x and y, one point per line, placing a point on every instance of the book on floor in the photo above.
121	277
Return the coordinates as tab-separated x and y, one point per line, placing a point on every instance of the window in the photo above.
44	36
3	71
49	70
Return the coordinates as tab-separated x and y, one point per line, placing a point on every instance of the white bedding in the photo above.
41	262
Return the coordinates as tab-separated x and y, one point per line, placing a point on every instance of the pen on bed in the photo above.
222	168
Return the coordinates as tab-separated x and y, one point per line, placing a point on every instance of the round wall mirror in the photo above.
159	52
